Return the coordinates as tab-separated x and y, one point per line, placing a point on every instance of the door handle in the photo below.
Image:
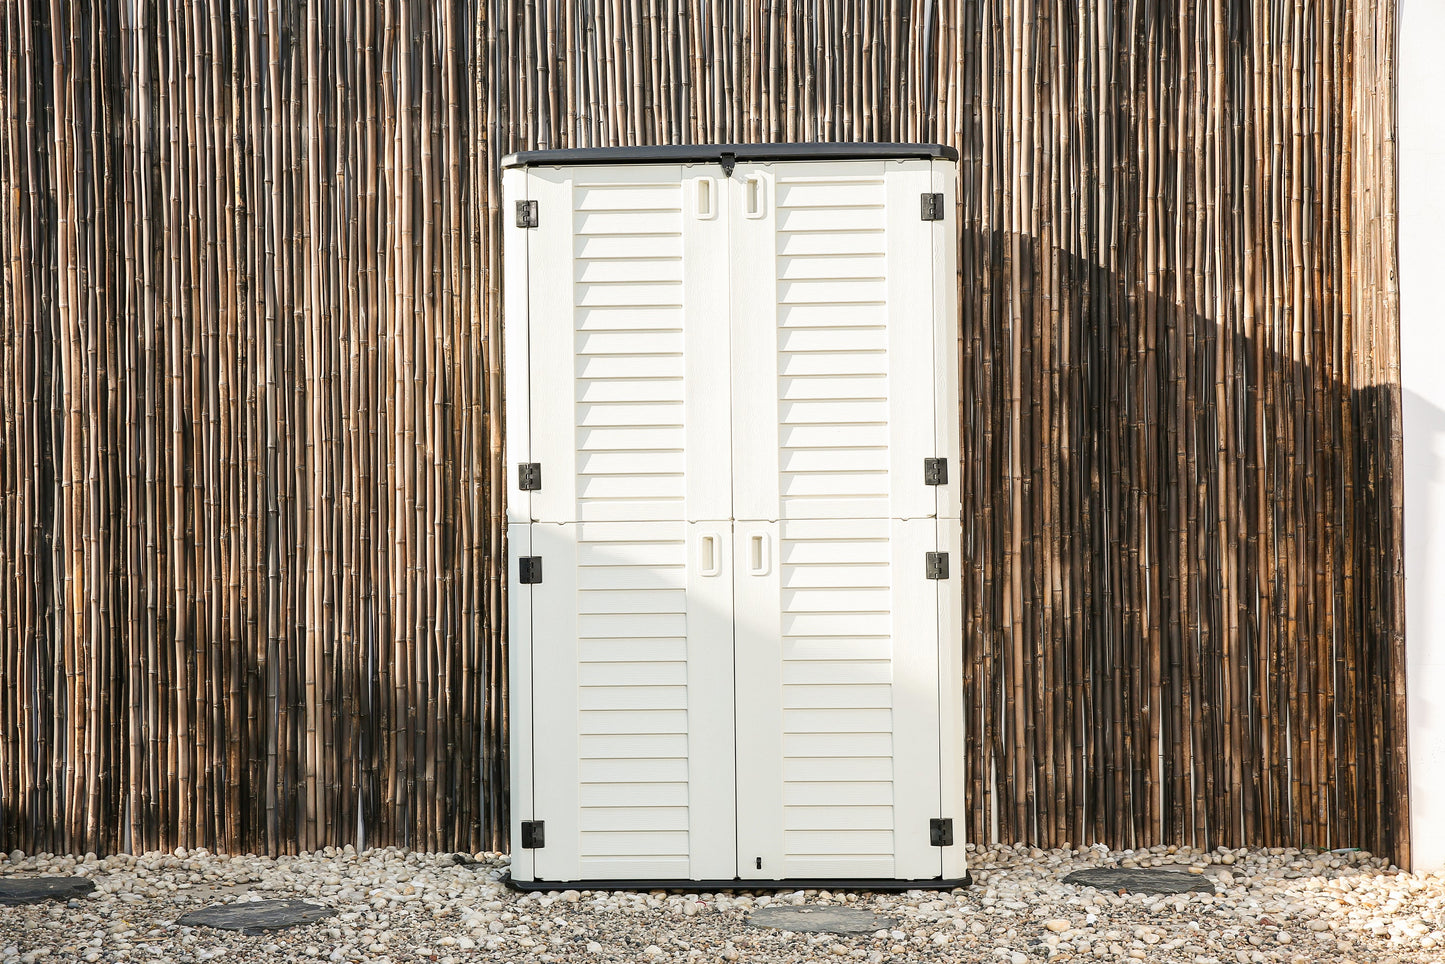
759	553
755	203
709	559
706	198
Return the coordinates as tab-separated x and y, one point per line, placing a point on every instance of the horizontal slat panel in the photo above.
629	625
624	697
831	316
823	194
797	552
861	291
836	600
832	386
612	270
632	196
851	720
840	532
632	674
631	577
617	794
857	241
640	843
830	340
648	366
794	437
817	266
631	746
636	721
629	342
837	695
630	389
837	647
837	744
628	437
838	817
592	414
840	575
847	865
839	769
664	650
636	486
820	413
876	793
628	223
831	219
869	362
836	624
648	548
607	318
659	294
828	672
634	868
635	818
634	601
670	461
633	532
831	507
637	771
840	485
594	510
829	842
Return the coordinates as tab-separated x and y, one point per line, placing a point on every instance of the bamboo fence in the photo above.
250	496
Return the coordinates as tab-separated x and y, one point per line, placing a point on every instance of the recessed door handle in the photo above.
759	553
709	559
755	203
706	198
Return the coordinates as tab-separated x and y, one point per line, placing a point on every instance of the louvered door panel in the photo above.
833	371
628	345
837	652
633	760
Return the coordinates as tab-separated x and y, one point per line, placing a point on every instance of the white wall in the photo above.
1422	371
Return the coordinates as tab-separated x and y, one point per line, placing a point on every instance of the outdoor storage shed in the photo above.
732	450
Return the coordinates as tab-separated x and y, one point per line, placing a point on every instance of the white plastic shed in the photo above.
732	449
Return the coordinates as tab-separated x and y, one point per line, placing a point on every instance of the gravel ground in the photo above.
395	906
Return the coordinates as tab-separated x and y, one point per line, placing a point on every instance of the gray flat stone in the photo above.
1140	881
820	920
32	890
256	916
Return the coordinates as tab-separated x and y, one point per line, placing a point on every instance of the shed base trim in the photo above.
739	884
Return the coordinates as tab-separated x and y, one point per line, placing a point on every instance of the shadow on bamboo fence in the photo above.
1197	639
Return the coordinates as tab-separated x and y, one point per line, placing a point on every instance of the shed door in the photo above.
631	625
836	625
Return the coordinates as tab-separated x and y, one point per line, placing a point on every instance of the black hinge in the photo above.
533	837
940	832
937	565
529	476
930	207
935	471
526	214
529	570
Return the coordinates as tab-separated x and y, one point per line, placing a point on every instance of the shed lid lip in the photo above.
684	153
